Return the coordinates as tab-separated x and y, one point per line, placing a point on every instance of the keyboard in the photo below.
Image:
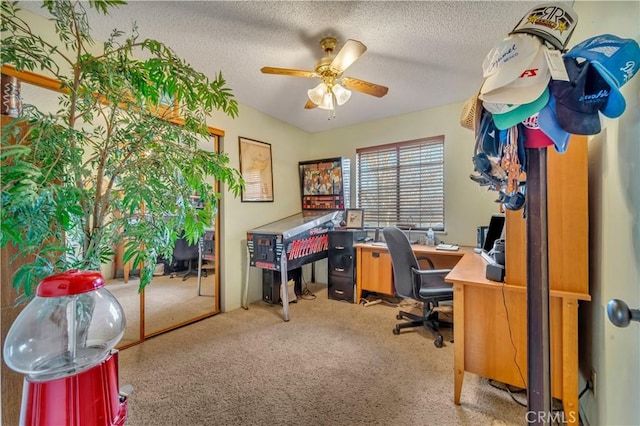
448	247
487	257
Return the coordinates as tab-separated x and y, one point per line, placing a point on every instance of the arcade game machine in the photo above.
281	248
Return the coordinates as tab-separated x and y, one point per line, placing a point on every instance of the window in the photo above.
402	183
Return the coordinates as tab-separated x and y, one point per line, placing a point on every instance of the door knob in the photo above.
620	314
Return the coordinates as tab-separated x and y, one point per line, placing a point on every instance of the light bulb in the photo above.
316	94
327	101
342	94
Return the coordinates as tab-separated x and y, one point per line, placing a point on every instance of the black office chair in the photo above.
411	282
186	252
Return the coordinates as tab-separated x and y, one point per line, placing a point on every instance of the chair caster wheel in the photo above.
438	342
396	331
398	316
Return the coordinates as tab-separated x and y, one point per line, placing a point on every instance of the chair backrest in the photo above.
184	251
402	259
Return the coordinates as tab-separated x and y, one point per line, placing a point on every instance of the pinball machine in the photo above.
282	247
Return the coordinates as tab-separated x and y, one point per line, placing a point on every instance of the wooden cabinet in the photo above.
568	224
374	270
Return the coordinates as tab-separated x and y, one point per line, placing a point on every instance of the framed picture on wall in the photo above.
255	168
354	218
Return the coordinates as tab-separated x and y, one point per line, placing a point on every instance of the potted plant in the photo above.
112	165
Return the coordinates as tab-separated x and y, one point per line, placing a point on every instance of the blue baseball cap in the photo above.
579	100
522	112
616	59
549	126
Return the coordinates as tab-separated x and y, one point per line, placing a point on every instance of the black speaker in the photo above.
271	281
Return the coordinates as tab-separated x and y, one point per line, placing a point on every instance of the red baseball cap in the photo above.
533	136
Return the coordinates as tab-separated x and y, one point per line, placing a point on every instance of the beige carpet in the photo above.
168	301
333	363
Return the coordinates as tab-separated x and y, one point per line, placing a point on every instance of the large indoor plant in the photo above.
110	166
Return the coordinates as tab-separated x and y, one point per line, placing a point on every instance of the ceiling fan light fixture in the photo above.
342	94
327	101
317	93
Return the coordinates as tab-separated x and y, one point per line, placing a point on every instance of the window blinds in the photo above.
402	183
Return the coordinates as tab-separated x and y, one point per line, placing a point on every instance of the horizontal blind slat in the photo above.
402	182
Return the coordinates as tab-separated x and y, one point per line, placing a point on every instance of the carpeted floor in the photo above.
168	301
333	363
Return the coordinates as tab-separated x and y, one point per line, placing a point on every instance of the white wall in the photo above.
614	217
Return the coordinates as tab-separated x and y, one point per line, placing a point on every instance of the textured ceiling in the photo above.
428	53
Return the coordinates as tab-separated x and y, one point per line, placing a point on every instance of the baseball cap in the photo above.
495	108
549	126
579	100
488	136
527	87
516	115
616	59
533	136
487	148
507	60
552	22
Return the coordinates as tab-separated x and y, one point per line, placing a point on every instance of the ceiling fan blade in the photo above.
309	105
364	87
349	53
286	71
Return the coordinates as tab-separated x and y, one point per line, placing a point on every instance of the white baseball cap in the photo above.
527	87
508	59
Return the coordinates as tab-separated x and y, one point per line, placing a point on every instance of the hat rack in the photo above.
538	331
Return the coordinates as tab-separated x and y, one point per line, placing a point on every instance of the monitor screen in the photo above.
494	232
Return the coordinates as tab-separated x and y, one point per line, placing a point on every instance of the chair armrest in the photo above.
442	272
428	259
435	288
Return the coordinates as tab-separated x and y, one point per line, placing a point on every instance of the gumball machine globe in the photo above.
63	342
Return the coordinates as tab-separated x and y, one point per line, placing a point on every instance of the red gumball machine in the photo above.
63	342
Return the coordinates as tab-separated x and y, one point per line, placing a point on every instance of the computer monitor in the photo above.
494	232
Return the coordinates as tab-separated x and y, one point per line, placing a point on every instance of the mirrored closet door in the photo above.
185	288
171	300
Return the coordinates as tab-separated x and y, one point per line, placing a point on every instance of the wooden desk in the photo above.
487	313
485	316
374	271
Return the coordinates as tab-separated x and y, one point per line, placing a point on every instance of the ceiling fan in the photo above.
331	90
